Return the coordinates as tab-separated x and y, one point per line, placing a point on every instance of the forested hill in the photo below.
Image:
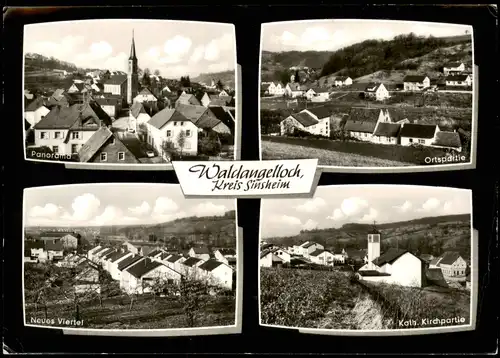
226	77
374	55
36	62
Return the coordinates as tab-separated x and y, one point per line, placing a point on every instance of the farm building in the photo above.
342	81
386	133
451	264
416	82
187	99
294	90
453	68
377	91
459	80
276	89
413	133
307	120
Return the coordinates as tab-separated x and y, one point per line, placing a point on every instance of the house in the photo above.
190	267
100	257
322	257
175	262
386	133
342	81
216	273
148	275
77	88
155	254
92	252
355	255
459	80
137	116
36	250
114	261
35	111
227	124
196	114
132	248
447	140
126	263
294	90
276	89
87	281
318	94
377	91
187	99
106	146
223	255
66	129
339	258
213	99
309	247
223	93
453	67
164	130
69	240
269	259
413	133
146	96
55	250
416	82
109	105
117	84
166	90
451	264
199	252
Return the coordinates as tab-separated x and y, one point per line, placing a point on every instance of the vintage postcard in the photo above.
129	257
369	259
368	94
107	92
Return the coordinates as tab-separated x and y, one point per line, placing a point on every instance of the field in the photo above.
334	300
339	153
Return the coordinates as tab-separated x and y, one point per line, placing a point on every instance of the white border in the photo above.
138	166
393	332
420	168
183	331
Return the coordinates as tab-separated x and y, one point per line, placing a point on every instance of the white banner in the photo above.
246	178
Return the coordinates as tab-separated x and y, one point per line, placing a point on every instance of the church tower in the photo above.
132	76
373	244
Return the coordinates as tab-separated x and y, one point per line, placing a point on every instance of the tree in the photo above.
297	78
156	72
220	85
146	80
181	140
167	147
193	294
185	81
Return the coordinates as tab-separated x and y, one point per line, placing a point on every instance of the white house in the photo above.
93	251
294	90
190	267
459	80
282	254
339	258
312	120
217	273
166	89
164	130
453	67
276	89
342	81
131	247
137	116
222	255
55	250
452	265
223	93
416	82
386	133
122	264
317	94
175	262
377	91
322	257
145	95
413	133
116	84
448	140
309	247
199	252
109	105
35	111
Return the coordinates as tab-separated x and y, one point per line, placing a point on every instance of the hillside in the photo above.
227	78
425	235
37	62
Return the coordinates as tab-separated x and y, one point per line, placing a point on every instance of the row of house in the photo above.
137	273
371	125
50	246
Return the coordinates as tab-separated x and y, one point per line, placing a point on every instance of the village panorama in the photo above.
108	259
335	267
356	93
121	103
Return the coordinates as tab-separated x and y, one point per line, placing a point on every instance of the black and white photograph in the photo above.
368	258
128	257
117	92
368	93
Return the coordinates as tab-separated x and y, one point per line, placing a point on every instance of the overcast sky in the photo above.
331	35
114	204
333	206
176	48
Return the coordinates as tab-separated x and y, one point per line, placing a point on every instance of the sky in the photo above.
175	48
114	204
334	206
331	35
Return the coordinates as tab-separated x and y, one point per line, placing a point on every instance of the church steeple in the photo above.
132	49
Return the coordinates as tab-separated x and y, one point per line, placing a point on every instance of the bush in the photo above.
209	145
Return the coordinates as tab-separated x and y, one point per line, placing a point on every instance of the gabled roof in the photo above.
217	102
373	87
200	250
227	251
389	256
448	257
447	139
166	115
453	64
418	130
210	265
129	261
456	77
146	92
317	252
35	104
360	126
304	118
79	85
133	144
136	109
75	116
95	142
108	254
414	78
191	261
294	86
191	112
103	253
118	255
154	253
320	111
341	78
188	98
142	267
34	245
116	80
174	258
222	115
108	101
54	246
309	244
353	253
387	129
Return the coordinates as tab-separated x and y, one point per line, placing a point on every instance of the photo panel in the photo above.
369	96
369	260
108	95
130	259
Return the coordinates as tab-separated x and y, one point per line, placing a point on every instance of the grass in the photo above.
348	153
273	150
147	313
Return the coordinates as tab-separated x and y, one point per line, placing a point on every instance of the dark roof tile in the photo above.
415	130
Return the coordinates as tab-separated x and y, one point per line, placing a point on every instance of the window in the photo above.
182	123
175	123
43	135
410	140
74	148
55	149
113	142
75	135
121	155
104	157
421	141
187	145
188	133
169	133
57	135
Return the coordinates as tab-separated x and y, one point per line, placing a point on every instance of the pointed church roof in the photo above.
132	49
